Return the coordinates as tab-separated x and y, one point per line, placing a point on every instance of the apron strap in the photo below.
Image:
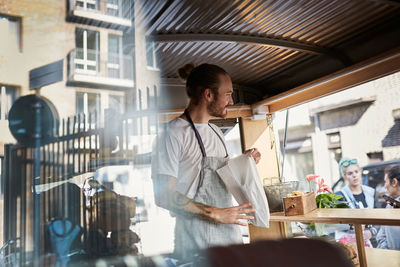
222	140
198	137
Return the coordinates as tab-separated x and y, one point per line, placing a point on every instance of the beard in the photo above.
216	111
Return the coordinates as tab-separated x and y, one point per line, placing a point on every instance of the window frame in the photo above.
85	62
150	45
19	35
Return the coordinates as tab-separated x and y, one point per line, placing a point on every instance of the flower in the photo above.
311	177
322	187
325	198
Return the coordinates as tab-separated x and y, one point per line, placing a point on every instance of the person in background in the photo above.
357	195
389	236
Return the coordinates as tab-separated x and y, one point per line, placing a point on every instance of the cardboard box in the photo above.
299	205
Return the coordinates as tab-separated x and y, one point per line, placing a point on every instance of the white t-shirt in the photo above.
179	153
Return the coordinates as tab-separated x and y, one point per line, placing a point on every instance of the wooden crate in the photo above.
299	205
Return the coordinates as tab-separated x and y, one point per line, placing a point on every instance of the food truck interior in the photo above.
81	192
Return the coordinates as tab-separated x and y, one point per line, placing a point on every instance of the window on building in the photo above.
8	96
87	4
113	7
88	103
10	29
1	177
152	97
333	140
151	55
114	63
87	55
375	156
116	102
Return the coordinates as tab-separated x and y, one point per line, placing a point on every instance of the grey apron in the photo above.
194	233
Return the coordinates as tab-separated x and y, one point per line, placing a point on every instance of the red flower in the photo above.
320	182
311	177
323	187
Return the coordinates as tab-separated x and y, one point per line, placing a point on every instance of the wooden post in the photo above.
360	245
259	134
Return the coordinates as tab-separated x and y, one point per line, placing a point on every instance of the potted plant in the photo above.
324	198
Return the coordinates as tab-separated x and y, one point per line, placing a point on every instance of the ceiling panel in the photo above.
271	46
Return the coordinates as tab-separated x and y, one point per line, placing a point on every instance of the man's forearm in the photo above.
182	205
167	198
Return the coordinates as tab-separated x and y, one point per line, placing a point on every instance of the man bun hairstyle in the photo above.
199	78
185	71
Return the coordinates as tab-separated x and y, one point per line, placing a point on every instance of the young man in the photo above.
184	171
357	195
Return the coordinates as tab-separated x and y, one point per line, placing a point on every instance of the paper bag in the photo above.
243	182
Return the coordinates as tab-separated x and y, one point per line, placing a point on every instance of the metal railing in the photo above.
74	151
83	144
91	62
116	8
9	253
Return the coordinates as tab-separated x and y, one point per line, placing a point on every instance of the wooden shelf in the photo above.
357	217
382	257
344	216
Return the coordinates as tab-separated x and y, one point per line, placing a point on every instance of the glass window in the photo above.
114	63
150	55
114	42
87	4
358	123
1	196
116	102
1	184
113	7
95	184
10	29
88	103
8	96
87	49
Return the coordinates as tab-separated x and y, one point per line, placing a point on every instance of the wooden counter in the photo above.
344	216
382	257
357	217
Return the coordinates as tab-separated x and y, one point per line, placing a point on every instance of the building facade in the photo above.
361	122
95	40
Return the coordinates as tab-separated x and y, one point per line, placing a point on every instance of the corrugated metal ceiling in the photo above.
261	42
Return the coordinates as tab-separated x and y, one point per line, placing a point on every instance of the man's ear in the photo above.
208	95
395	182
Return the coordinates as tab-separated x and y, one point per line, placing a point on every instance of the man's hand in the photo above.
254	153
232	215
166	197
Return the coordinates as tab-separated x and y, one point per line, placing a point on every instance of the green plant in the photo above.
325	198
330	201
